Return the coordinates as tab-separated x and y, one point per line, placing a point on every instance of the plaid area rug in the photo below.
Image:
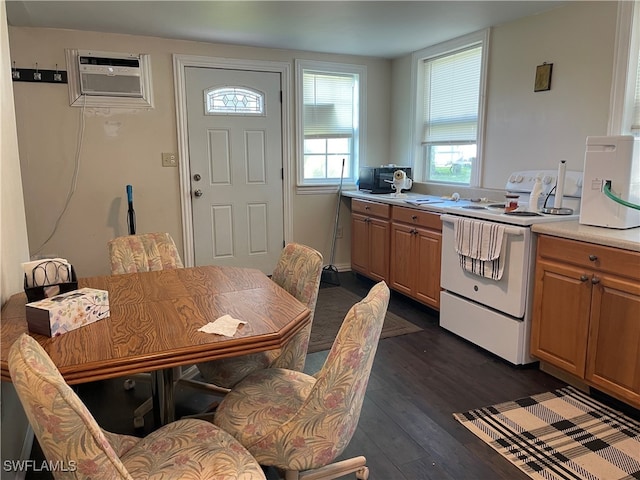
563	434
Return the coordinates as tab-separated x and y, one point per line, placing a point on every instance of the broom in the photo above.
330	272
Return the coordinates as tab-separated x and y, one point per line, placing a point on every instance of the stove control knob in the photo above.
579	182
547	179
518	179
512	178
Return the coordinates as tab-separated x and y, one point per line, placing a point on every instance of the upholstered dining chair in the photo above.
298	271
72	440
142	253
301	423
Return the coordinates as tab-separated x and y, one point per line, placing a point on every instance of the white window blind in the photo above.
329	107
452	91
635	122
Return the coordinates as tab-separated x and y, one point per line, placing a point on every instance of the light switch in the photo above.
169	159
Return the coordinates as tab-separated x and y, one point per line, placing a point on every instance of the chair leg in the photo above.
141	411
355	465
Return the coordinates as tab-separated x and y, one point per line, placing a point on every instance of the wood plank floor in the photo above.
406	429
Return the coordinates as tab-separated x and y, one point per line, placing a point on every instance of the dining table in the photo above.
153	325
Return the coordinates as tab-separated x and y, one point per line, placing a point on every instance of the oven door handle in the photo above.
508	230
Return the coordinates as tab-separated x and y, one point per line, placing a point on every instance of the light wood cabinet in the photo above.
370	239
416	240
586	315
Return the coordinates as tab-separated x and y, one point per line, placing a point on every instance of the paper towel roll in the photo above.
562	171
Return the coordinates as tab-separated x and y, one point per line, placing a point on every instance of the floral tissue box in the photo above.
67	311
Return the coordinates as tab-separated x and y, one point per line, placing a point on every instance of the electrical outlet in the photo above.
339	232
169	159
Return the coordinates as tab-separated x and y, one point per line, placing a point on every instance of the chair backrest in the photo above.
326	421
298	271
68	434
143	253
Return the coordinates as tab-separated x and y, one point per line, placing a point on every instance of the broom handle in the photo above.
335	226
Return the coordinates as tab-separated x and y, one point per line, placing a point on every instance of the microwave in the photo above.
373	179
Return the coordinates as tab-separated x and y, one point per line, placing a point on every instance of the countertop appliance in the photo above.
616	161
380	179
495	313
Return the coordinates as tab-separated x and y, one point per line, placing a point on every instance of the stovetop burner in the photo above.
474	207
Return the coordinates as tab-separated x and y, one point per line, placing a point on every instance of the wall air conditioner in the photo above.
109	74
109	79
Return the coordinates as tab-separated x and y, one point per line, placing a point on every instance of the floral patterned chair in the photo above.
71	439
298	271
302	423
142	253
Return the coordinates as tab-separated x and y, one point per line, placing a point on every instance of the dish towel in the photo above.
479	245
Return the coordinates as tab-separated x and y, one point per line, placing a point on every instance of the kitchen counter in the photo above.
433	202
628	239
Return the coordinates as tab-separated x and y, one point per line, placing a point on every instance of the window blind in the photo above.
452	94
635	122
328	104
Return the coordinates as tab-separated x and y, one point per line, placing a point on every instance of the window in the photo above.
329	104
625	111
449	82
234	100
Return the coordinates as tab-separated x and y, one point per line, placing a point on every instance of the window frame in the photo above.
359	141
625	69
417	87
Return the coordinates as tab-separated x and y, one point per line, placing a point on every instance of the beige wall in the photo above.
48	132
13	243
525	129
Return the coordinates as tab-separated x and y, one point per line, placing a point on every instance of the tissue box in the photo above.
68	311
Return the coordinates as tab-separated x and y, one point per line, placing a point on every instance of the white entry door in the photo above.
236	165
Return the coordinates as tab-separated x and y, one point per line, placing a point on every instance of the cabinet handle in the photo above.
414	217
367	207
593	258
595	280
584	278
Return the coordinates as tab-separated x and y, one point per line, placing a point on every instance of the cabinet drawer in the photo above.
600	258
370	208
416	217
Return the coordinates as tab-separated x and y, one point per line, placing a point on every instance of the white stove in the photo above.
521	183
494	311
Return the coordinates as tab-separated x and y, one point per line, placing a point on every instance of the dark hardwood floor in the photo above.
406	429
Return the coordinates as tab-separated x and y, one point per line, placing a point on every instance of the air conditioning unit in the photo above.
109	79
110	74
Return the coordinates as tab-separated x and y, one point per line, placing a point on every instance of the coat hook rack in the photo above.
37	75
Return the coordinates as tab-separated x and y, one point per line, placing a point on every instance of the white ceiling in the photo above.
386	29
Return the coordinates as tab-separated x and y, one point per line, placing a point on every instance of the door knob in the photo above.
197	177
198	193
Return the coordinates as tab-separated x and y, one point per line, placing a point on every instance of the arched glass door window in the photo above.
234	101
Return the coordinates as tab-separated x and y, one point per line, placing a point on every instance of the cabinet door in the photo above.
560	322
378	249
402	258
360	243
613	358
427	265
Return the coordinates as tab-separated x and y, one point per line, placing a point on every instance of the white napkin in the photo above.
225	325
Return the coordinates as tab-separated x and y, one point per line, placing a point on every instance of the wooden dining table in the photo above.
153	325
